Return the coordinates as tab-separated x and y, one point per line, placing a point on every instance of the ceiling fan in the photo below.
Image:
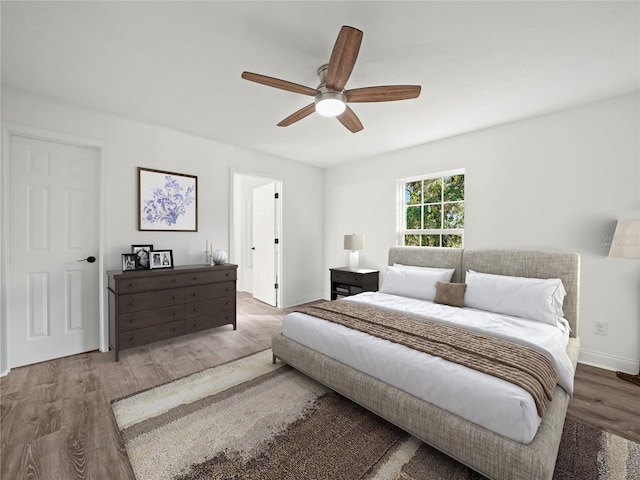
331	98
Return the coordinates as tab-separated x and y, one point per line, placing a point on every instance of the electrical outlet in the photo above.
600	328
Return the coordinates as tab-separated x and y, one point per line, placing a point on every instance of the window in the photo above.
432	210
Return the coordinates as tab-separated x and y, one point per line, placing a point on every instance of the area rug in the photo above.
250	419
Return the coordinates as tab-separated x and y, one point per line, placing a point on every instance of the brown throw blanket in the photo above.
520	365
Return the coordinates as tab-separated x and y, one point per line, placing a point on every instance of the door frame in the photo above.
9	130
238	209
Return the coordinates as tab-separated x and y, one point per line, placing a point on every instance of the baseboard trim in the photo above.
608	362
302	300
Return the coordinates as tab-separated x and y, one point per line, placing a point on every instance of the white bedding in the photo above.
496	404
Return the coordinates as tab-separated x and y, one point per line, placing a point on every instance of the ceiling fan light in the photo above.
330	104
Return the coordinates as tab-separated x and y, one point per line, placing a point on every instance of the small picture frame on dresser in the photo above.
128	261
161	259
143	256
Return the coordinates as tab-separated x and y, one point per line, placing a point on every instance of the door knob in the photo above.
89	259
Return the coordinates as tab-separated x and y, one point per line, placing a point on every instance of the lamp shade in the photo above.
354	242
626	239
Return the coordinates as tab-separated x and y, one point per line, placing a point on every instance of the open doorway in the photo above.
256	236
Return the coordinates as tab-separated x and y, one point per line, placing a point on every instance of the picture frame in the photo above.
143	256
167	201
161	259
128	262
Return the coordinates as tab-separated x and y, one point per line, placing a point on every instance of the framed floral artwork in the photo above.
167	201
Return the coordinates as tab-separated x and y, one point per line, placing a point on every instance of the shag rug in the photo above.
250	419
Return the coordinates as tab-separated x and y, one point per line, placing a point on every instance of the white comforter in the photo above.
483	399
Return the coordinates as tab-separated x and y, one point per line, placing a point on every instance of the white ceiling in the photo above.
178	64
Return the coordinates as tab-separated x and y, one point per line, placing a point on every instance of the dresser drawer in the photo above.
205	292
143	284
203	323
197	309
350	278
208	276
144	301
147	318
142	336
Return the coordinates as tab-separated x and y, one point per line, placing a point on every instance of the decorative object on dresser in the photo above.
143	256
161	259
346	282
128	261
147	306
626	244
354	243
167	201
219	257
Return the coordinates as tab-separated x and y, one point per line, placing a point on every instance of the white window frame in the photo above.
401	213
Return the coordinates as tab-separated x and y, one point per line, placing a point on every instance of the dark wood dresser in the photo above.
147	306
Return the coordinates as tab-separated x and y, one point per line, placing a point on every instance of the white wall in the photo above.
131	144
555	182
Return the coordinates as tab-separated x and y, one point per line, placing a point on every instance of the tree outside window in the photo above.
433	210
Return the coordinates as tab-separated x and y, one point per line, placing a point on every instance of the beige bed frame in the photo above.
483	450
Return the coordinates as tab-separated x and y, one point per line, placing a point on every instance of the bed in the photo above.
527	454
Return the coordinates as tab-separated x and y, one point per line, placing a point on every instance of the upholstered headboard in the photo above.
516	263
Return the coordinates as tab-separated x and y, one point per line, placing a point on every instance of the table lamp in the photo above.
354	243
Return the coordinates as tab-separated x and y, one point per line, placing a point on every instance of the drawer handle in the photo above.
228	274
174	312
132	284
131	320
131	339
175	280
194	325
226	289
173	298
195	278
195	294
174	329
131	303
195	309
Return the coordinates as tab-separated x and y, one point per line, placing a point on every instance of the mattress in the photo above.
480	398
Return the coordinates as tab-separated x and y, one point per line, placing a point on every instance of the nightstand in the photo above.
345	282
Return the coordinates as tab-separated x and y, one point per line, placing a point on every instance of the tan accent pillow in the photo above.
450	293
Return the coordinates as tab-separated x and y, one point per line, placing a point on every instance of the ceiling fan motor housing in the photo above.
329	103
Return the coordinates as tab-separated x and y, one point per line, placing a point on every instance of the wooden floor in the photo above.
56	420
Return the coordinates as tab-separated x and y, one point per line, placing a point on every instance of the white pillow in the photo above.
426	269
534	298
414	282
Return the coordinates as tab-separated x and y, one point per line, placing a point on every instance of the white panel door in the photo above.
52	297
264	247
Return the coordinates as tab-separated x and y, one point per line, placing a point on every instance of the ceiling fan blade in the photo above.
343	57
349	119
277	83
299	115
383	94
